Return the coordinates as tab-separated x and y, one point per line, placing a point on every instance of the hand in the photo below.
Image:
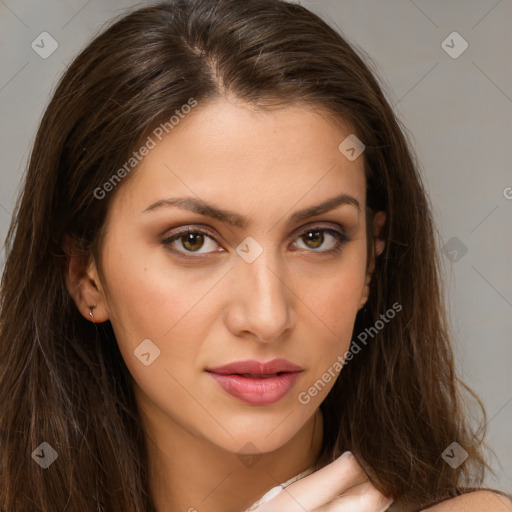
342	486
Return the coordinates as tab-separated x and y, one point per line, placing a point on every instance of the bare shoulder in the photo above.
476	501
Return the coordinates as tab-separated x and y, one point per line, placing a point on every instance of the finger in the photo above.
319	488
361	498
358	504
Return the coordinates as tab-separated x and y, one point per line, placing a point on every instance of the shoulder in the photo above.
476	501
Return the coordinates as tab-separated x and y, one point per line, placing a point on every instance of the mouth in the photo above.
257	383
259	376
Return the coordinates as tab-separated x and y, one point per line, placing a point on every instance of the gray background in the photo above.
458	112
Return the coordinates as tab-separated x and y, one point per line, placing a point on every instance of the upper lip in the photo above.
254	367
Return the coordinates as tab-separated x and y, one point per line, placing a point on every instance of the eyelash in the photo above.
341	239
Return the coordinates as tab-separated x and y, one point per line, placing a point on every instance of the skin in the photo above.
294	301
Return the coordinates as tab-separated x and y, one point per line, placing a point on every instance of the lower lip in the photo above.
256	391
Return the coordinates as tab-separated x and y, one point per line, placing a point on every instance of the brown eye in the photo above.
191	241
317	237
313	239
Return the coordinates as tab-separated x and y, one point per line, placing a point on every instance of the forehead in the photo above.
231	152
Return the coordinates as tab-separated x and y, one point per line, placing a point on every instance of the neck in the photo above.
188	473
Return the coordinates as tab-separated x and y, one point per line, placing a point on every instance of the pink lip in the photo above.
257	383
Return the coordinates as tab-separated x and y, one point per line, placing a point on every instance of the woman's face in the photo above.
268	281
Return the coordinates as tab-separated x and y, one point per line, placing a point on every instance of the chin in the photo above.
260	431
254	442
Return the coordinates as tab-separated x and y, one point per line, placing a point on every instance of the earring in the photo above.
90	312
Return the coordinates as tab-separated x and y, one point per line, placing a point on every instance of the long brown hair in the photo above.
396	406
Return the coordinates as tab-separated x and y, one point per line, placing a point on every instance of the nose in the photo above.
262	301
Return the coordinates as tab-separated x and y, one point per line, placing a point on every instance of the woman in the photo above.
221	277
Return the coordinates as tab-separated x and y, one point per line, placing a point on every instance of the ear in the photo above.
83	283
379	220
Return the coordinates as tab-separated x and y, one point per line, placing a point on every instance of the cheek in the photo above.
334	297
336	310
333	307
149	299
145	293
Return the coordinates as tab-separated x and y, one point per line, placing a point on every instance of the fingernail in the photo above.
346	455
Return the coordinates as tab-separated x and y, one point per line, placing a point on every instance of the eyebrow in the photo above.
241	221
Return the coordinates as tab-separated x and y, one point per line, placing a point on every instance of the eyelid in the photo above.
318	225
